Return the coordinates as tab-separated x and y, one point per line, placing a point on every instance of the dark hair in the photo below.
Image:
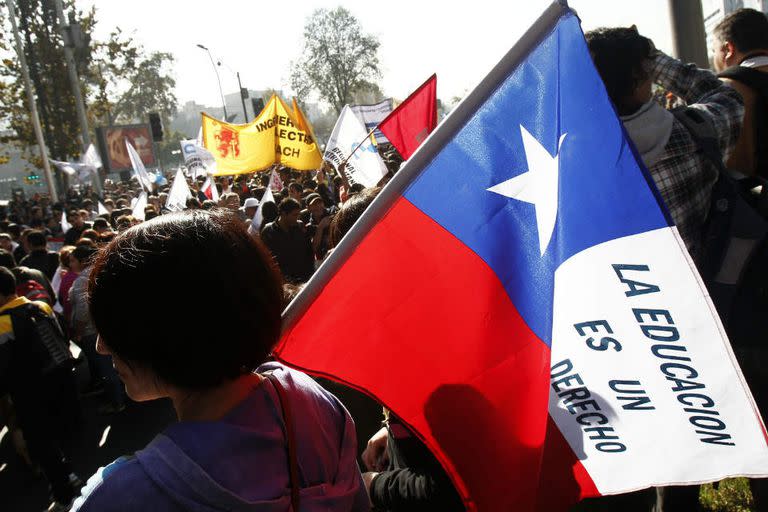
90	234
36	239
7	281
240	278
83	254
100	223
619	54
349	213
288	205
295	185
746	29
7	259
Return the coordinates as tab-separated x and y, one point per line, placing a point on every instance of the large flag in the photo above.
365	166
199	161
372	115
179	193
413	120
138	167
277	135
523	302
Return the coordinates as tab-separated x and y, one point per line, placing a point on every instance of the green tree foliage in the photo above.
120	81
338	59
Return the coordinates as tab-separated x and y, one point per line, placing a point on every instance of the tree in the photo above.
128	84
120	82
338	59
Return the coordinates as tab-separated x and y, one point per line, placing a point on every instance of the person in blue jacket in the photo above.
252	435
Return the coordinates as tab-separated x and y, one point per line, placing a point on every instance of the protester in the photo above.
233	420
741	57
39	256
629	64
44	400
288	242
78	224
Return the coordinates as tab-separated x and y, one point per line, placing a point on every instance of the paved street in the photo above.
102	439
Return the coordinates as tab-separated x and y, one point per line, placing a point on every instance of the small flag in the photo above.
65	225
102	209
210	190
413	120
275	182
258	217
364	166
139	205
179	193
138	167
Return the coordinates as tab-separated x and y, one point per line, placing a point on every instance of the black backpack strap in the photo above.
750	77
293	465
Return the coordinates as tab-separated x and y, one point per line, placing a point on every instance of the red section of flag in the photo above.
417	320
408	125
564	479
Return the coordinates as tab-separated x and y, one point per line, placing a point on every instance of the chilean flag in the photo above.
518	295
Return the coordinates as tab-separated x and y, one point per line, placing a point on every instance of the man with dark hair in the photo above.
42	400
288	242
295	191
741	58
39	256
629	64
77	221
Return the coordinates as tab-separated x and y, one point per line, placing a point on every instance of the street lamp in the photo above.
215	70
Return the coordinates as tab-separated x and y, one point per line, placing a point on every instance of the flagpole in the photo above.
447	130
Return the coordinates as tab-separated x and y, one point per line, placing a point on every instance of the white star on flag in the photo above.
538	186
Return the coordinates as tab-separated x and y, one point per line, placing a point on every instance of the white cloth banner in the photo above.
138	167
179	193
139	205
644	385
91	157
365	166
372	115
65	225
199	161
102	209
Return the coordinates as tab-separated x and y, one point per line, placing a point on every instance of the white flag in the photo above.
139	205
65	225
102	209
258	217
372	115
177	197
91	157
138	167
275	182
365	166
199	161
68	168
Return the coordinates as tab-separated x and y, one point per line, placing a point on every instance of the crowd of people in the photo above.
87	260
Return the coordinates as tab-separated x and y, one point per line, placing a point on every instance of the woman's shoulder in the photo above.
119	486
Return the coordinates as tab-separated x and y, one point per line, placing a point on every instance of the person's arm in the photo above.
703	91
411	490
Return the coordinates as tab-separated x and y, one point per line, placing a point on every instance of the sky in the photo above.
459	42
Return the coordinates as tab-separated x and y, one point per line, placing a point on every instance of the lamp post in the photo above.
215	70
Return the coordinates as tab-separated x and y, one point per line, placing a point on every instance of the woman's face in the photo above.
141	384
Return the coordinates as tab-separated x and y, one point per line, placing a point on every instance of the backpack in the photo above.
758	82
734	250
33	290
43	339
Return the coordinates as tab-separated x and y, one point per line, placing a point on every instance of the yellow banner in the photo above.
277	135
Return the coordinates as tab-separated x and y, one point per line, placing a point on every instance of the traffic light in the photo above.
156	125
33	178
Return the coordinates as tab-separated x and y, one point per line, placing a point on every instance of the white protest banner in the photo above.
365	166
372	115
177	197
199	161
138	167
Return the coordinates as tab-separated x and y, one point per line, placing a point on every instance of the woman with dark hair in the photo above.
252	435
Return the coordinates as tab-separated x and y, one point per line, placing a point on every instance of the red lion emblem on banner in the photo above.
227	141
